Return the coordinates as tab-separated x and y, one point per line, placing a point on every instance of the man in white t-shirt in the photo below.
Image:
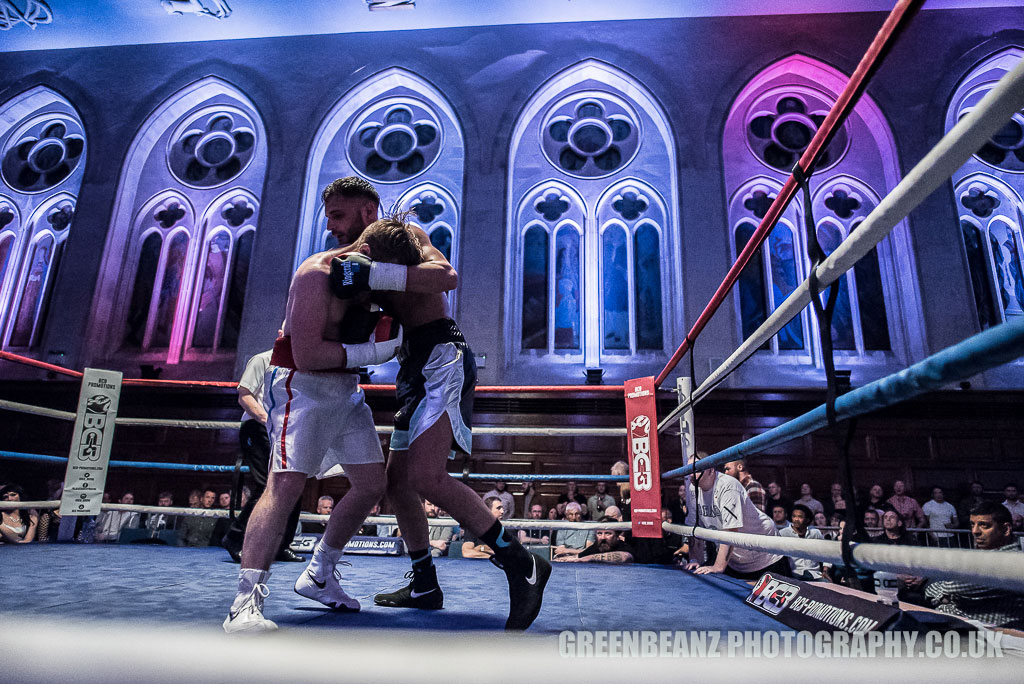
939	514
724	505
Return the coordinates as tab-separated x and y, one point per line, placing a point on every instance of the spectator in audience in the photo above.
529	491
110	523
755	491
195	498
820	520
560	510
990	527
599	501
678	505
779	516
156	521
664	550
553	514
48	529
508	503
807	499
607	547
17	526
876	500
873	526
939	514
324	506
571	493
775	496
473	547
722	504
619	469
835	523
906	506
1012	504
440	535
195	530
803	568
246	495
224	500
835	501
571	542
893	531
975	495
535	535
614	512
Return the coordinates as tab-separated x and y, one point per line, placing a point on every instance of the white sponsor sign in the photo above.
90	447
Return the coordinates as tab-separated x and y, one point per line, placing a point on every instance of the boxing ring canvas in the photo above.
185	588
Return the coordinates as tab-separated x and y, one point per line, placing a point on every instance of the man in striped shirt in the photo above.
755	491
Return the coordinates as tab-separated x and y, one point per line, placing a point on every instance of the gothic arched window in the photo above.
42	159
594	231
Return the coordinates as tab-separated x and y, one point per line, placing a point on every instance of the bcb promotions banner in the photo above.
642	447
90	447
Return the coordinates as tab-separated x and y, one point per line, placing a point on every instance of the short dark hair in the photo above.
165	495
806	511
1000	514
392	240
489	501
351	186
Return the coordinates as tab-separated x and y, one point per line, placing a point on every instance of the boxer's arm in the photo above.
308	320
435	274
249	404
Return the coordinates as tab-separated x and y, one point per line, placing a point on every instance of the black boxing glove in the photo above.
354	273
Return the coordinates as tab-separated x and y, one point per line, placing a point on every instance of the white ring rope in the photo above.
990	568
955	148
381	429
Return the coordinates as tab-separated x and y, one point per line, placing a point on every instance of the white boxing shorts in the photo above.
318	422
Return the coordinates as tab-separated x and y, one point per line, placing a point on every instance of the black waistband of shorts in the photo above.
433	333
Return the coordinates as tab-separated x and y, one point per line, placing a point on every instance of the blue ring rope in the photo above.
984	351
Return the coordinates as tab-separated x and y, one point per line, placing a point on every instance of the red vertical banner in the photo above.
642	448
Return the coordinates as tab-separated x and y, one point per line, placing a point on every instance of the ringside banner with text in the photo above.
807	606
86	475
642	455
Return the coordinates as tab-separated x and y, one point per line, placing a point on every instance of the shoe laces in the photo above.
259	592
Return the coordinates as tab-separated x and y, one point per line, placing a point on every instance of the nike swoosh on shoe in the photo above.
417	594
532	579
320	585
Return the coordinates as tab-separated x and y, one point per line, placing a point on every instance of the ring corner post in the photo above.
642	447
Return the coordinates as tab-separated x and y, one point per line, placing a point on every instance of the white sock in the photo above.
247	579
324	558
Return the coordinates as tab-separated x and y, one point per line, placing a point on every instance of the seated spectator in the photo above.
440	535
570	494
893	531
780	516
835	522
195	530
324	506
906	506
807	499
820	521
195	498
608	547
975	495
620	468
990	527
599	502
221	527
803	568
835	501
1012	503
678	506
614	512
535	535
48	529
723	504
17	526
155	522
473	547
553	514
224	500
873	526
572	542
668	549
755	491
110	523
775	496
876	500
508	502
939	515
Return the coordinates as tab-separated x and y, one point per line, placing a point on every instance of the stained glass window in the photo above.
211	289
6	245
535	288
32	295
142	290
567	289
753	305
829	238
784	281
167	303
648	288
615	264
236	289
441	239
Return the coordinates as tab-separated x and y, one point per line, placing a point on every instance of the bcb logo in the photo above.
772	595
95	420
640	441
